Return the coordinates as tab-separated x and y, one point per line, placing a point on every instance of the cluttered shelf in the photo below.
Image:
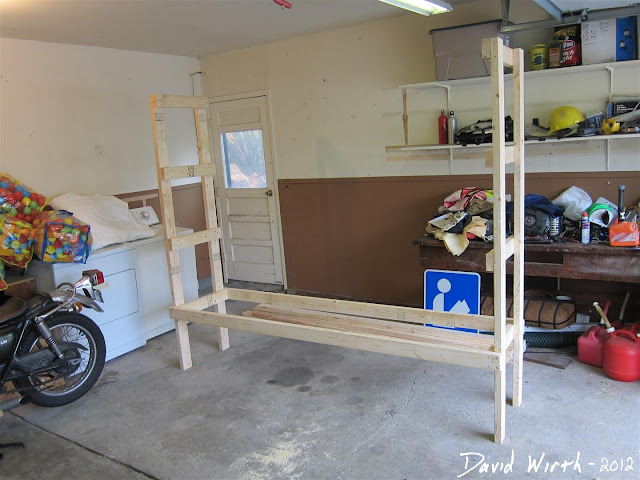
562	260
410	148
580	69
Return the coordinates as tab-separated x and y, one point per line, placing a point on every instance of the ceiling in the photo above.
180	27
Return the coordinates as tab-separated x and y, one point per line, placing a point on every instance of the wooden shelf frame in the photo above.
372	327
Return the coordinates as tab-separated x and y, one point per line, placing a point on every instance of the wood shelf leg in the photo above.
500	402
518	350
184	348
223	333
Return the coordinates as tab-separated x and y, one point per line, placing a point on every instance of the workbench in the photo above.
562	260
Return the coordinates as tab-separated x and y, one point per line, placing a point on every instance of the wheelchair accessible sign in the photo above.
455	292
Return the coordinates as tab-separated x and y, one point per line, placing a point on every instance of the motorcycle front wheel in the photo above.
80	369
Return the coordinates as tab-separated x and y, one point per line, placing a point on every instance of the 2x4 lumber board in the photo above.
336	325
182	101
188	171
457	355
518	199
209	300
211	219
195	238
390	312
499	401
509	154
372	325
509	249
508	55
499	191
168	219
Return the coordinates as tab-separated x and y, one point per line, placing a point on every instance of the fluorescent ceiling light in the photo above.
424	7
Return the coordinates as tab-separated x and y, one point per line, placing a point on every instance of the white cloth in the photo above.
109	218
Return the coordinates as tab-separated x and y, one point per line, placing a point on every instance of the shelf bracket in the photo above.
607	155
451	161
611	70
405	117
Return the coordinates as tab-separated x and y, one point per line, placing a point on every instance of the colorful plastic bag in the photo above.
62	238
18	200
16	241
3	283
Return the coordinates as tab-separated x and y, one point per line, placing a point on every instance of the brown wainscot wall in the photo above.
353	237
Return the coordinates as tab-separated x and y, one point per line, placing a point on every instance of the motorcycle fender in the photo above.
87	302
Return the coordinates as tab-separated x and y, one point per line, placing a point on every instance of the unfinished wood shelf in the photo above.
372	327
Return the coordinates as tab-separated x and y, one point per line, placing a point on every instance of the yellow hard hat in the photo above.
564	117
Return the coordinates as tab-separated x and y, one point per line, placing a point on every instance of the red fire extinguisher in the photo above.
443	129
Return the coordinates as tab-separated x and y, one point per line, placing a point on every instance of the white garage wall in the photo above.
76	119
335	102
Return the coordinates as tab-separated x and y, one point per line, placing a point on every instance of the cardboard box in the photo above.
625	107
614	40
458	50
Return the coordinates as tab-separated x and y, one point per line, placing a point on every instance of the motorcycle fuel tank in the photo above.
7	343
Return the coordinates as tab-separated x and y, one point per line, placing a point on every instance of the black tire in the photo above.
81	379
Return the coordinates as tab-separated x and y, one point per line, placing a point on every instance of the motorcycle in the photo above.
49	351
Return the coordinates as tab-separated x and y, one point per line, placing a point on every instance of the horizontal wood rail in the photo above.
389	312
196	238
507	54
509	248
181	101
472	356
187	171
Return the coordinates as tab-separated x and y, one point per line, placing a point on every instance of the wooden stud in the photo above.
423	350
188	171
182	101
509	247
209	300
211	215
347	322
518	201
374	310
169	224
196	238
500	400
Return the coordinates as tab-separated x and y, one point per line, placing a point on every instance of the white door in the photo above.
246	191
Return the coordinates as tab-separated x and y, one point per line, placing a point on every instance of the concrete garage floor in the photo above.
271	408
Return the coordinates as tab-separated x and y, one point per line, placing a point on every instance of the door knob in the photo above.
269	193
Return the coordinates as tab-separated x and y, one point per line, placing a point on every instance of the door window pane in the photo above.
243	157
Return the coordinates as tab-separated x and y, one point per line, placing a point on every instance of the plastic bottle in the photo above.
451	126
555	53
443	128
585	230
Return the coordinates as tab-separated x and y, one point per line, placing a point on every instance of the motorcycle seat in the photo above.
12	308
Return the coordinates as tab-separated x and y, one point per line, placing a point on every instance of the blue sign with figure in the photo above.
455	292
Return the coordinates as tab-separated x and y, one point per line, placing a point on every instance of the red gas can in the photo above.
591	344
621	356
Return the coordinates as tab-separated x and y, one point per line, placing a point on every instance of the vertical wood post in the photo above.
211	216
518	202
499	216
169	225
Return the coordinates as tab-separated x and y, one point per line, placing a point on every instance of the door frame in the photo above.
276	193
